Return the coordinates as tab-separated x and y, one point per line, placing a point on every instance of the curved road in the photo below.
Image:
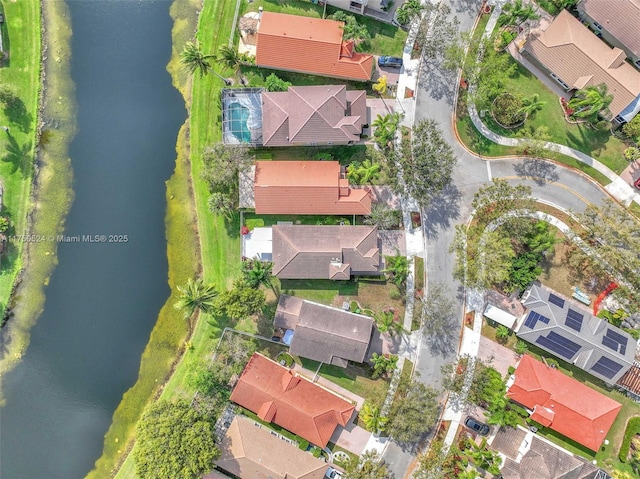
564	187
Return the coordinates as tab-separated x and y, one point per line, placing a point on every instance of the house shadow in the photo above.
442	211
540	171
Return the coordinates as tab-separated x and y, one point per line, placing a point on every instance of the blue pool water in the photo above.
238	115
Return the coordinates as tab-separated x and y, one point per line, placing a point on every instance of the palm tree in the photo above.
398	269
531	104
386	322
194	60
360	173
521	347
371	417
383	364
259	273
385	129
230	58
592	102
196	296
502	333
517	13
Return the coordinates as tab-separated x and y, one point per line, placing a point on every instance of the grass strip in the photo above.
37	194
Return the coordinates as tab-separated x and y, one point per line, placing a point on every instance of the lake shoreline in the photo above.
51	194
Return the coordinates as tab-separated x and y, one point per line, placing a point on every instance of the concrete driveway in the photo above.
497	355
351	437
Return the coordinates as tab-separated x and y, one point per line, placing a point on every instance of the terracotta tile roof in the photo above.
276	394
568	406
621	18
571	51
306	188
322	333
250	451
324	252
309	45
307	114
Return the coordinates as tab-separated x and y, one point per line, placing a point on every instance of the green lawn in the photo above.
602	146
354	378
385	39
343	154
320	290
251	220
20	74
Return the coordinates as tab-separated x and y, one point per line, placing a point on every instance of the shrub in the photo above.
286	358
520	347
303	444
316	451
633	428
4	224
632	129
511	370
506	110
274	83
632	153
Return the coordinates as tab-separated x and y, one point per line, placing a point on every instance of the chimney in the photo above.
260	10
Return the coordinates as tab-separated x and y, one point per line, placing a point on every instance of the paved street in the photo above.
551	183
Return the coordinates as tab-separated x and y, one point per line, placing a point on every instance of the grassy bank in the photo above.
41	211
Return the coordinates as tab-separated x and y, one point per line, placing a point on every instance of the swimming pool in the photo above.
238	115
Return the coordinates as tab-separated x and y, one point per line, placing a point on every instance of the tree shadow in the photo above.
591	142
437	81
17	156
445	343
465	5
17	114
540	171
442	211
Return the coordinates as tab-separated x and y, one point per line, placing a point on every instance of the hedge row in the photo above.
633	428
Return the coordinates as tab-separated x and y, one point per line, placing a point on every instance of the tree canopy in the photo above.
240	301
369	466
414	412
427	162
174	440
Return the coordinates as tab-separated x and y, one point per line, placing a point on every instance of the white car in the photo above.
333	473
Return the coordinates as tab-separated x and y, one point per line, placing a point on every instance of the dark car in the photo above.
637	183
476	425
393	62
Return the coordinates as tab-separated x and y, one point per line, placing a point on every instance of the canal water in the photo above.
111	281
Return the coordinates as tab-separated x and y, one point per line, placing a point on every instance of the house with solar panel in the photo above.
566	330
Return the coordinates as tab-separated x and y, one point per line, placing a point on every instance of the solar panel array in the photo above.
606	367
559	345
615	341
533	318
558	301
574	320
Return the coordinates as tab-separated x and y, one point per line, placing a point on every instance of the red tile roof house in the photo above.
309	45
306	188
562	403
278	395
313	115
325	252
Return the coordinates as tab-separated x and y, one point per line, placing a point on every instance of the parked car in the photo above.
393	62
333	473
479	427
637	183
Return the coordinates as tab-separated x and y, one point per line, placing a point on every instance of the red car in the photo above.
637	183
